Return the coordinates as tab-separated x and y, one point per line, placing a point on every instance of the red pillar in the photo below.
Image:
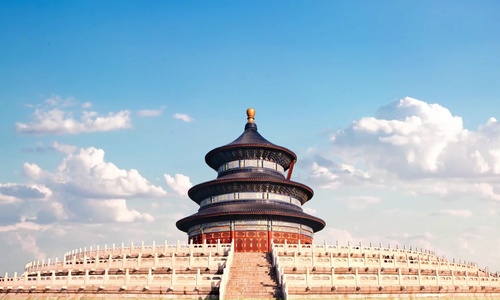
269	234
269	239
231	227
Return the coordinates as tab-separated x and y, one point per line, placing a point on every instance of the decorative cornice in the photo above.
290	216
254	170
269	152
253	184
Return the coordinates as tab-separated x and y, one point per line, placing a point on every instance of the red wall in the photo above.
252	241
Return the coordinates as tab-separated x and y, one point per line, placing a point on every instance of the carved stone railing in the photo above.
225	274
124	281
330	268
132	256
164	269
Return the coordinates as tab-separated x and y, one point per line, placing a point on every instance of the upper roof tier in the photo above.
250	145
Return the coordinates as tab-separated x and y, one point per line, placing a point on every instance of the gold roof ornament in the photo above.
250	115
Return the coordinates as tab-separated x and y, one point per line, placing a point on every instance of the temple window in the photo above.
260	163
250	196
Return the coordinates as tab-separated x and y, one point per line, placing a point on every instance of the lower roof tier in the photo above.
250	210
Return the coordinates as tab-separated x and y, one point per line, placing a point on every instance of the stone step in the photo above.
252	276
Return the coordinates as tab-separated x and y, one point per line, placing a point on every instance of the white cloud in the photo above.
183	117
81	176
328	179
469	240
329	175
490	191
334	235
59	122
32	171
56	100
423	146
56	119
416	139
179	183
463	213
116	210
423	241
361	201
343	237
87	174
29	245
4	199
309	210
15	192
23	225
64	148
57	147
407	136
150	112
86	105
57	210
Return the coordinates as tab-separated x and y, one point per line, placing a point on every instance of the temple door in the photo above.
239	247
255	245
262	244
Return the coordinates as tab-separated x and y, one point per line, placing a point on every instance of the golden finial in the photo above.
250	115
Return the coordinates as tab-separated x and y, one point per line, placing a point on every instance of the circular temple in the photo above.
250	203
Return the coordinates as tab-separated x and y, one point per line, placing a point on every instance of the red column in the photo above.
269	239
231	227
300	234
269	234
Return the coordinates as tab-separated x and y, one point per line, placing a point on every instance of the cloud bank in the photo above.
412	143
56	118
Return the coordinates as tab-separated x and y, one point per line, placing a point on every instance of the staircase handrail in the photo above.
225	273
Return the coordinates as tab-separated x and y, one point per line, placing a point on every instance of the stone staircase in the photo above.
252	276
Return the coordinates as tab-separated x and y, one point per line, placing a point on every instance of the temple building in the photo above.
251	202
251	239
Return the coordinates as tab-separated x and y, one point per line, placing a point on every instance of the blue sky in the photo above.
108	109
